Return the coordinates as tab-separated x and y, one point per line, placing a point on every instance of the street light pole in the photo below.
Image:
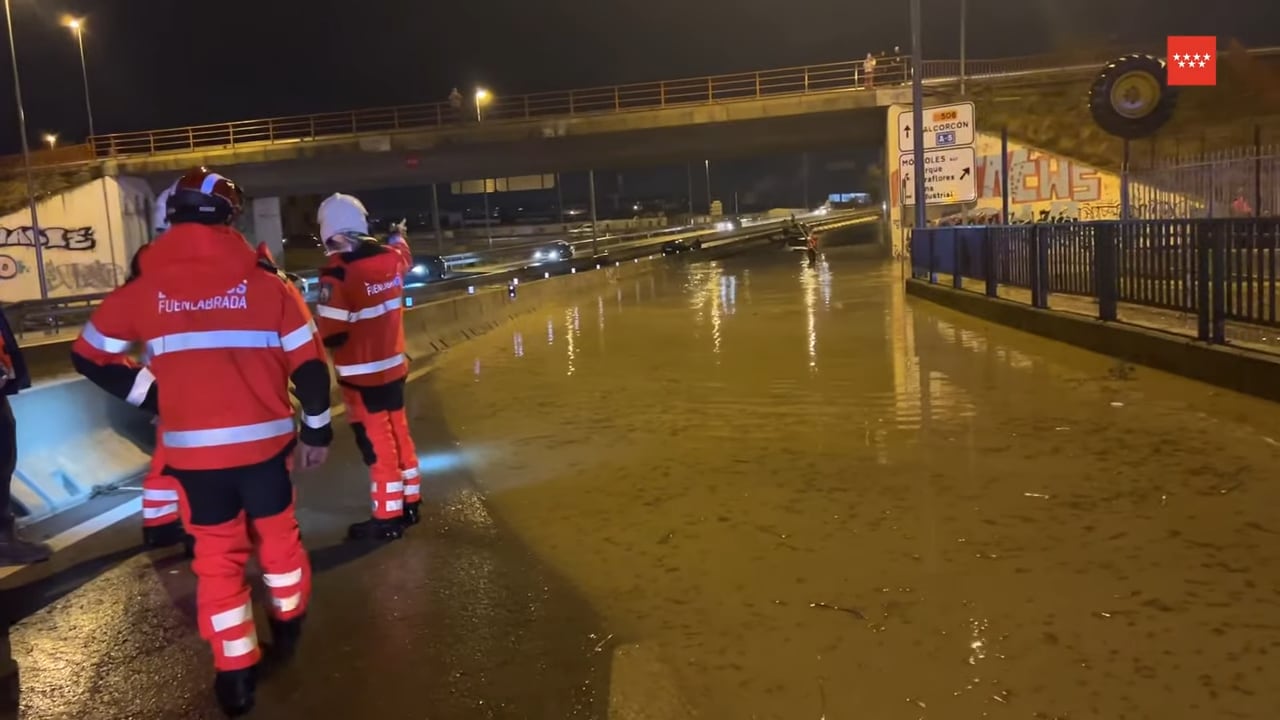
917	115
688	176
964	16
36	235
707	165
78	28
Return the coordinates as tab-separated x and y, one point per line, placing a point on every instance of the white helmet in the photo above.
342	215
160	218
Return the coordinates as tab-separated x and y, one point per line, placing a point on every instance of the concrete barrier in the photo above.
1246	371
73	439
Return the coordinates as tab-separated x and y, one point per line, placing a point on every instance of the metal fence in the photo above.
1239	182
1217	270
776	82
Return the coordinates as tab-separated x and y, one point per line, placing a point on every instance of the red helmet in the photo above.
205	197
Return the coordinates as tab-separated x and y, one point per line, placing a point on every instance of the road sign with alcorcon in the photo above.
944	126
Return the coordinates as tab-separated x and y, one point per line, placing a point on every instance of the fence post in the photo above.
1104	270
989	262
711	90
1218	279
662	94
806	78
570	102
1200	242
758	95
957	272
617	102
1042	268
933	265
1034	251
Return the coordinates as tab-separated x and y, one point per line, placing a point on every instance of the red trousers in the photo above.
381	428
233	513
160	496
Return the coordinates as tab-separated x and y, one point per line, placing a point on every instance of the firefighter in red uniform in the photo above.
224	339
360	319
161	501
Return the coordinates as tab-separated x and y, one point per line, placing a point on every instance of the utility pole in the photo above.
435	219
37	238
591	179
917	114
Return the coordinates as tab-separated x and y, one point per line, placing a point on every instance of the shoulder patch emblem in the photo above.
326	292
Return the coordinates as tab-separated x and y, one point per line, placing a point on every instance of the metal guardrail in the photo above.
55	314
1216	270
52	315
801	80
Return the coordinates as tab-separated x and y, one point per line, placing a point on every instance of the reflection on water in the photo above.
815	496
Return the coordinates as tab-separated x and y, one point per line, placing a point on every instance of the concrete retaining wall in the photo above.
1245	371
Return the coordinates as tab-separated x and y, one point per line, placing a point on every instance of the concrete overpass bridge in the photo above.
645	124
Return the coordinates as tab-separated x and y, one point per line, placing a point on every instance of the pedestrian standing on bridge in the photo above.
225	339
13	377
360	316
869	70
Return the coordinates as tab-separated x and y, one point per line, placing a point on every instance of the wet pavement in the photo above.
783	492
816	498
457	620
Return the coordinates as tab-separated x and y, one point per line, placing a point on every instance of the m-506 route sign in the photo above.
944	126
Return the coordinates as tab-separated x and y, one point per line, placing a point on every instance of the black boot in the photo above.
161	536
235	689
375	529
284	638
412	513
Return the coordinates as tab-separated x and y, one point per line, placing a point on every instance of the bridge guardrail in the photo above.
848	75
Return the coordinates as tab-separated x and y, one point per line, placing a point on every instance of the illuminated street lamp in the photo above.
51	139
482	97
26	156
77	27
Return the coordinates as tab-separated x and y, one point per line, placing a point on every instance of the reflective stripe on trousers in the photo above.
369	368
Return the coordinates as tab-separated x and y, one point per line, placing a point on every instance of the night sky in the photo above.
176	62
165	63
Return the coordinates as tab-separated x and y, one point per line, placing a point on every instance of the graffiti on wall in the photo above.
57	238
72	276
95	275
11	267
1046	188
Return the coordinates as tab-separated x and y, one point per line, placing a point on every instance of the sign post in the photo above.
943	137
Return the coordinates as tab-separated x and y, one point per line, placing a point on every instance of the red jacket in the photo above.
223	337
361	313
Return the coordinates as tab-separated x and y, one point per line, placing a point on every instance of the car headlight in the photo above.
419	269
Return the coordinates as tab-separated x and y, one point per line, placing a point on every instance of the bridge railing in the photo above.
850	75
1217	271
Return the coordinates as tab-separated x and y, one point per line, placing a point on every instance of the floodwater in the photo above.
817	498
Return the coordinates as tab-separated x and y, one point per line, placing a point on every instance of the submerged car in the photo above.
678	246
554	252
427	268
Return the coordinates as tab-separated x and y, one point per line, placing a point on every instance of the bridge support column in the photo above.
265	226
